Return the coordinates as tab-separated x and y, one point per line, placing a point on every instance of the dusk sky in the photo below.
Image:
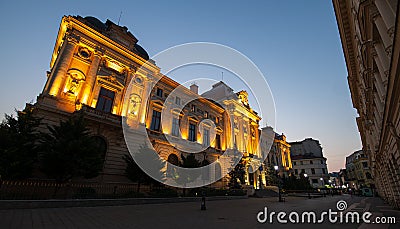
295	44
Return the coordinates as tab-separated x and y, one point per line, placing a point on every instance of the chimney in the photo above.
194	88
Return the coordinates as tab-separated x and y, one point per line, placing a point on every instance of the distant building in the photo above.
334	180
279	155
308	160
370	35
358	171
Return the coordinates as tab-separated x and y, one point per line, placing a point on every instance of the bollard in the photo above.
203	202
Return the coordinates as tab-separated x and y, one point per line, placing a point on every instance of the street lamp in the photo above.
308	191
279	183
323	185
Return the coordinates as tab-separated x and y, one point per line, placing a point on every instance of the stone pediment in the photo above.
111	81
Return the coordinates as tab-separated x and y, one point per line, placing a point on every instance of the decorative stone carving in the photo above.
135	102
84	53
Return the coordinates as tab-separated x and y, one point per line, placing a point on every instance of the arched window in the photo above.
173	159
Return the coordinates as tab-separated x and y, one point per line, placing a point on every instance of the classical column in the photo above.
383	31
388	15
59	75
86	92
382	62
146	97
128	77
380	87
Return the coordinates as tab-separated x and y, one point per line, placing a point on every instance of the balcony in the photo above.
98	115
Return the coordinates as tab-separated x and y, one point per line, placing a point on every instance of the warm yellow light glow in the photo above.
94	102
184	135
85	98
114	65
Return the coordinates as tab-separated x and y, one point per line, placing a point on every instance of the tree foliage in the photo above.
18	151
294	183
68	151
148	158
189	161
272	176
237	176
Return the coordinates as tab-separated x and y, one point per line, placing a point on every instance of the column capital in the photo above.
98	51
73	38
131	69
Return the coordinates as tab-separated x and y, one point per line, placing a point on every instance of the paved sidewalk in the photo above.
219	214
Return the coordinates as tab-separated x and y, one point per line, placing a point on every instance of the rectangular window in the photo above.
311	162
105	100
218	141
314	181
312	171
177	100
301	162
192	132
155	121
322	162
175	127
294	163
296	171
323	171
205	114
303	171
206	137
159	92
193	108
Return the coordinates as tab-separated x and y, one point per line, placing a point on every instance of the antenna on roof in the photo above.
119	19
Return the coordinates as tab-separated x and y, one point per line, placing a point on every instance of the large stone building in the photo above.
279	155
309	161
97	69
370	35
358	171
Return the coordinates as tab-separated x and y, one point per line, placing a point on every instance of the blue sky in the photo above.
295	44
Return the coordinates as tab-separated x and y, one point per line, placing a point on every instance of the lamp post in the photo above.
323	185
279	183
308	191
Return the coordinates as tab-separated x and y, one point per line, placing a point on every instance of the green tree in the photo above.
148	158
18	151
68	151
272	176
189	161
237	176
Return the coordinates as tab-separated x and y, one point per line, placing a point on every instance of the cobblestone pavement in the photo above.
219	214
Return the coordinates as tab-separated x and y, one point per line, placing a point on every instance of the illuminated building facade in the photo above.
279	155
245	133
370	35
358	171
91	68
